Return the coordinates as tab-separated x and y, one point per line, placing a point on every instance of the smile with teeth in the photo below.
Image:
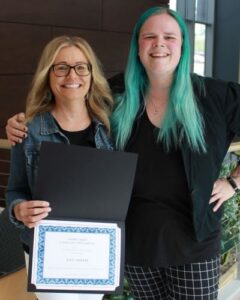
72	85
159	55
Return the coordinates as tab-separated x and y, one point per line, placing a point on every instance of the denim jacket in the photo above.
25	158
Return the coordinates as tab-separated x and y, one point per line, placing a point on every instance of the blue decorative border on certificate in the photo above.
43	229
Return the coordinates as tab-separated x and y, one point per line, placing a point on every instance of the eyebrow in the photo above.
147	33
65	62
153	33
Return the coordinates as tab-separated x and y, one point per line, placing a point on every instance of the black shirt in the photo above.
82	138
159	225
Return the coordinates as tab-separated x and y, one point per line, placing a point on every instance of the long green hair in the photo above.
182	118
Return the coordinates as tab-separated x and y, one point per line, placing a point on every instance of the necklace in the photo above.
155	110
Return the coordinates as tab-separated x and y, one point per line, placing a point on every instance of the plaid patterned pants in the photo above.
196	281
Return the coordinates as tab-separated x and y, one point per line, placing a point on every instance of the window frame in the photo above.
187	10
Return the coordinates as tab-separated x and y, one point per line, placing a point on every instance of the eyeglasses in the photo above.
61	70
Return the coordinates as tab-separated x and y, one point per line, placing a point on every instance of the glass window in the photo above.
201	11
199	17
199	48
173	4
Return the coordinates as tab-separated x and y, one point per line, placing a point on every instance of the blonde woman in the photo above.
69	102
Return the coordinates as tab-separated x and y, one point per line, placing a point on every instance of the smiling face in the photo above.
71	87
160	42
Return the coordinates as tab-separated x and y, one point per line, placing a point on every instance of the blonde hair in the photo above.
99	99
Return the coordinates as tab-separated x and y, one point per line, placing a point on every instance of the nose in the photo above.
159	45
159	42
72	73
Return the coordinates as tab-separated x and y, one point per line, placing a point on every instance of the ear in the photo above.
49	95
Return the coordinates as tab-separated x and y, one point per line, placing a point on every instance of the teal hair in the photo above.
182	118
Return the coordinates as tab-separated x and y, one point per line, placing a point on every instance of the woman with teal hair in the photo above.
181	126
182	105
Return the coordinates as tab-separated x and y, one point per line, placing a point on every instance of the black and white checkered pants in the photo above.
197	281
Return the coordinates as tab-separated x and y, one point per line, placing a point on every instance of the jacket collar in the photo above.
49	126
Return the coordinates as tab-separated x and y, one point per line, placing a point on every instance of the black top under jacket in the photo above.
159	225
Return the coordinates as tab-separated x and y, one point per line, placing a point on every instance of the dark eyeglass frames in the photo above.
81	69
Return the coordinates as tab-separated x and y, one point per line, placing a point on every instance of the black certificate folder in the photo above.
80	246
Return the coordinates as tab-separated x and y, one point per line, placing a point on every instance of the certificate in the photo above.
81	183
76	256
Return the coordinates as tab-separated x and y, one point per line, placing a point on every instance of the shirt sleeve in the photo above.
18	189
232	108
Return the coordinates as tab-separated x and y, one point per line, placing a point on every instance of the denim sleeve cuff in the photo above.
12	217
